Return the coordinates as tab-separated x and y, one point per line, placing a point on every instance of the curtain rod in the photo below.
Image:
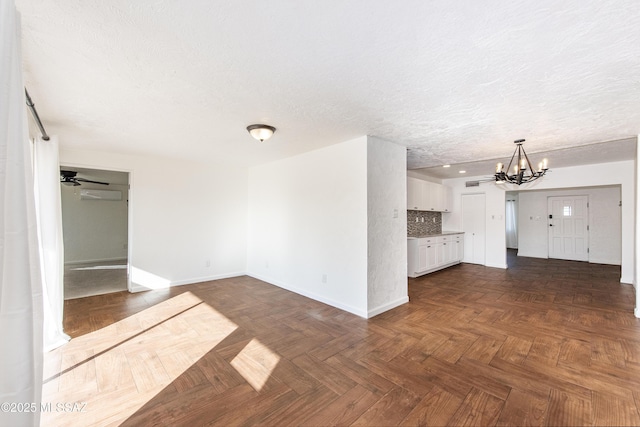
32	107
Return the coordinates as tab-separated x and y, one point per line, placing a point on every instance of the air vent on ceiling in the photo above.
472	184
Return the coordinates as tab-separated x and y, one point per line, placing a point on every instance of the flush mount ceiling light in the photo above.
522	170
261	132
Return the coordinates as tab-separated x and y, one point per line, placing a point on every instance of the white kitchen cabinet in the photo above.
447	198
457	248
427	196
442	250
431	256
435	197
428	254
422	259
447	256
416	194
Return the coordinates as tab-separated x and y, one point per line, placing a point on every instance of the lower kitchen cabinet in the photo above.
428	254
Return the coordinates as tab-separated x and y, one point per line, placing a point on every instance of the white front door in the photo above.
569	227
473	225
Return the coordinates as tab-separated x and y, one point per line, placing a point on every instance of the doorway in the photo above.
95	205
474	226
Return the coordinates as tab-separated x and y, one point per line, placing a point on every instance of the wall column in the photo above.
636	274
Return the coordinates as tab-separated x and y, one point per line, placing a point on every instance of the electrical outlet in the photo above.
207	263
324	278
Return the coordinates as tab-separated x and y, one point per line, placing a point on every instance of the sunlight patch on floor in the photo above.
118	369
255	363
148	280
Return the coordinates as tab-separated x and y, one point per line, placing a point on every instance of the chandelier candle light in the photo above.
523	171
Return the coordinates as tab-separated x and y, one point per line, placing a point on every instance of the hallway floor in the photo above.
97	278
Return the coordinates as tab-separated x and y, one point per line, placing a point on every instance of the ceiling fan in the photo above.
69	178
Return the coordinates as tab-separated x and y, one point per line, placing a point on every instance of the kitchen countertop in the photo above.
444	233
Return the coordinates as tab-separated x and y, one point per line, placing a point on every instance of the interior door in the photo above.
474	225
569	227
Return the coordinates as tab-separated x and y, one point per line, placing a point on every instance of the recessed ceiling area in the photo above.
454	82
612	151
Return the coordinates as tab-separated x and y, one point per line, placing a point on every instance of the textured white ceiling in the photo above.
455	82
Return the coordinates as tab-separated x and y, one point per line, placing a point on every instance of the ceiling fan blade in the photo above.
93	182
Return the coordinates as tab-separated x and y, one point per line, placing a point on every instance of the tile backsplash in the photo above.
432	223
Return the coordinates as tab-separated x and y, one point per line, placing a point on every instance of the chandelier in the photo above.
523	171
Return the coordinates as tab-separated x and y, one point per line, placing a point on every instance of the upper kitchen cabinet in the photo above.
427	196
416	194
448	198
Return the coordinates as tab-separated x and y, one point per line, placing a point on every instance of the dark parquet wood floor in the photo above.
545	342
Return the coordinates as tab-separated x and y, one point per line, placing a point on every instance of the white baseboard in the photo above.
532	255
206	278
415	274
502	266
90	261
139	288
387	307
604	261
636	312
628	281
313	296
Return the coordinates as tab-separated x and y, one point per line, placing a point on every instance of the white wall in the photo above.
604	174
605	238
636	235
387	225
94	230
182	214
331	224
308	224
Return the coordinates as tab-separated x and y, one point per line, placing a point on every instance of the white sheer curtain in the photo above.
20	280
49	216
511	219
